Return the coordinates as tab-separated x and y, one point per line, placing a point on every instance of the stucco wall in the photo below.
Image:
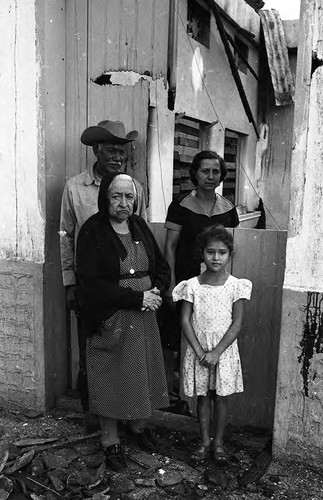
206	89
299	402
298	418
21	213
31	144
22	228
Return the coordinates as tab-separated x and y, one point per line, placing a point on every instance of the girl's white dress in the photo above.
211	318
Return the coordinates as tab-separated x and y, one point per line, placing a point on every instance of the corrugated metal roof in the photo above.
277	53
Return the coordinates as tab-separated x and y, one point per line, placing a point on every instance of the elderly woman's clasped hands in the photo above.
151	300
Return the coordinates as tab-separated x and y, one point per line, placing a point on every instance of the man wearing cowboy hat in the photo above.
79	202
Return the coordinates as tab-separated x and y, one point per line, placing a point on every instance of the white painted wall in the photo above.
206	89
304	260
21	218
304	264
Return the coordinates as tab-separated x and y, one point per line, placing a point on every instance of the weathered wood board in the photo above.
260	257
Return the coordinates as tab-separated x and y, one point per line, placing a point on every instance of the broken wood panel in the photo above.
187	185
151	19
186	150
128	36
187	129
183	158
161	30
184	140
260	257
76	85
145	26
130	105
104	25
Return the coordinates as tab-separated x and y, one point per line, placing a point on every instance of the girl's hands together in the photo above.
210	358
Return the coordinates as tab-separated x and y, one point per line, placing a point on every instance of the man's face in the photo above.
111	157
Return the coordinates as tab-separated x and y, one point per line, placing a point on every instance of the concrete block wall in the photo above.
21	339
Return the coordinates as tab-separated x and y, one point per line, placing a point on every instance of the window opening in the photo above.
186	146
241	55
231	157
198	22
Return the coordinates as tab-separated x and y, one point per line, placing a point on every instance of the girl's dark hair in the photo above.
215	233
206	155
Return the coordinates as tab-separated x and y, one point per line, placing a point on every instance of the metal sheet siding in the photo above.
128	35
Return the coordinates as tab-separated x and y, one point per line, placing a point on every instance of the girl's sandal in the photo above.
220	455
201	453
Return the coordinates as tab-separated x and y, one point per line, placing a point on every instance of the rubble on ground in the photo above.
49	458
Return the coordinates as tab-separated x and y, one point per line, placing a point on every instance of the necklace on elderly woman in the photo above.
130	255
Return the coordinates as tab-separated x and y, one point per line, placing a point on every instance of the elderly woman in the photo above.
121	276
203	207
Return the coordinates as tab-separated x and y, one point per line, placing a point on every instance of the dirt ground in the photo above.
72	466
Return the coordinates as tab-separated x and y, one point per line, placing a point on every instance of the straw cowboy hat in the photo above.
107	130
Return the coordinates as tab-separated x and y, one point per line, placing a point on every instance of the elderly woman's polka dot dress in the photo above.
211	318
126	375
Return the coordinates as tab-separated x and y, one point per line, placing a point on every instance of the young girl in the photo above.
211	318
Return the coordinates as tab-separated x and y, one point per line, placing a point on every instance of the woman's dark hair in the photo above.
215	233
206	155
103	202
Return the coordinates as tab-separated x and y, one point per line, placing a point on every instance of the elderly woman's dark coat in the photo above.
111	301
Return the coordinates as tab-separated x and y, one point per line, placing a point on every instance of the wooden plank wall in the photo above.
76	85
105	36
260	257
128	36
112	36
130	105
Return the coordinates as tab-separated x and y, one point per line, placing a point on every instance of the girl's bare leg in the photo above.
220	417
204	414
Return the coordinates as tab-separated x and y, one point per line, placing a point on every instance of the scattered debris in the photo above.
217	477
6	487
50	459
23	443
169	479
257	470
145	482
32	414
21	462
120	483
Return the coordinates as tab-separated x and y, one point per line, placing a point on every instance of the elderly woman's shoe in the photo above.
115	458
